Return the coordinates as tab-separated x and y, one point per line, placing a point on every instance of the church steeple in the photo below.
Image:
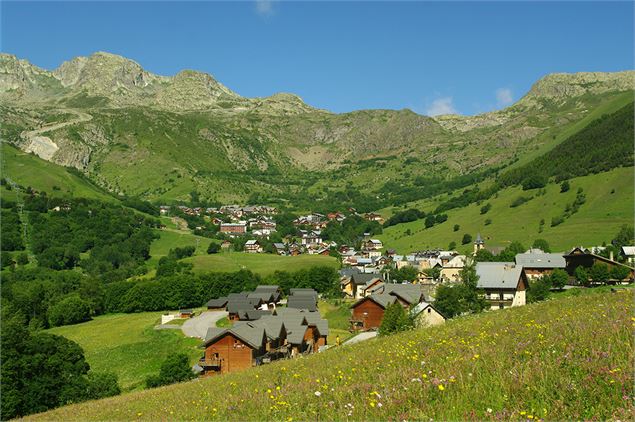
479	243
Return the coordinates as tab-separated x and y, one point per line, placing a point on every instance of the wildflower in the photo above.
318	393
477	356
441	387
489	410
379	405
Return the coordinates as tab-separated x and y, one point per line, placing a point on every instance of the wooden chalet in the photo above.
537	263
368	312
579	257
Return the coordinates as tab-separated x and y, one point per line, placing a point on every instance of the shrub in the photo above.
541	243
395	319
564	186
539	290
559	278
599	273
519	201
70	310
485	208
175	368
467	238
456	227
488	221
556	221
213	248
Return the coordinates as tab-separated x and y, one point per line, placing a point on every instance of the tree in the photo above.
539	290
625	237
213	248
430	220
564	186
452	245
541	244
22	258
395	319
407	273
102	384
485	208
467	238
456	227
433	273
70	310
483	255
534	181
619	273
582	275
175	368
559	278
599	273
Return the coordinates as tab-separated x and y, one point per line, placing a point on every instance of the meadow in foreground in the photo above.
568	358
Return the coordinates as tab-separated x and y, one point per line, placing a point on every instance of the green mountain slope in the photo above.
609	204
531	362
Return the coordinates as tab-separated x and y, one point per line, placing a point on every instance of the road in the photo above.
43	146
361	337
197	326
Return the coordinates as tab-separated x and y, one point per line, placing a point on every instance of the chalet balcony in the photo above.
209	363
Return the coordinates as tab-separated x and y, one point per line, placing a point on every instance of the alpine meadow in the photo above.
436	225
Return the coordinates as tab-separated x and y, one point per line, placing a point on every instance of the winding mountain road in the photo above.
43	146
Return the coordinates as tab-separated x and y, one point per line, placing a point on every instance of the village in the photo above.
265	325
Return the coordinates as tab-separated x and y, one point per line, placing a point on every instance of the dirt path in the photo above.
197	326
43	146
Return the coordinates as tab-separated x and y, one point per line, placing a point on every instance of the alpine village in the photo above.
172	250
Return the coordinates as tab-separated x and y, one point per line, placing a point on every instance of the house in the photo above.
234	349
186	313
373	244
253	246
371	216
226	245
307	330
504	283
303	299
537	263
311	238
355	286
240	302
451	269
269	295
368	312
218	304
234	229
281	249
426	315
628	252
585	258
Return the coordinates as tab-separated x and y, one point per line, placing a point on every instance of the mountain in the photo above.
162	137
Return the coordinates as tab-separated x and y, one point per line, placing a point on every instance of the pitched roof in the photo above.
217	303
501	275
540	260
420	307
410	293
242	304
628	250
362	278
302	302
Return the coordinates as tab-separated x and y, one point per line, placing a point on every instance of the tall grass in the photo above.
564	359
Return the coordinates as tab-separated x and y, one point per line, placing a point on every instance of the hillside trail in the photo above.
43	146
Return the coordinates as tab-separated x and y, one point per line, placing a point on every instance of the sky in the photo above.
430	57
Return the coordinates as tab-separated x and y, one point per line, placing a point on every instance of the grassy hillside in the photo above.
545	361
598	219
128	345
258	263
30	170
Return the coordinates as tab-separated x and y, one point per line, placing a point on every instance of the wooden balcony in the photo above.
209	363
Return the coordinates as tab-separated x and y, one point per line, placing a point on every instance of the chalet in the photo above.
240	303
371	216
164	209
311	238
368	312
628	252
537	263
226	245
585	258
307	330
504	283
234	229
281	249
270	295
218	304
372	244
186	313
303	299
355	286
253	246
426	315
234	349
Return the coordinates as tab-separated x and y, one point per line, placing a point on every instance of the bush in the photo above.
430	220
70	310
564	186
539	290
213	248
599	273
519	201
456	227
559	278
395	319
541	244
556	221
175	368
467	238
534	181
488	221
619	273
582	275
485	208
102	384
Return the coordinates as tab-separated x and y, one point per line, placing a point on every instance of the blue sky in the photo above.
341	56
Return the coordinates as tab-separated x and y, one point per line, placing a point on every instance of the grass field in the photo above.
259	263
597	221
546	361
128	345
172	238
30	170
338	316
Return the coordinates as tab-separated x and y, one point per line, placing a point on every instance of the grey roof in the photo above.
267	288
291	315
264	296
348	271
362	278
217	303
383	299
278	245
540	260
498	275
249	333
242	304
479	240
213	332
411	293
273	325
303	291
237	295
302	302
252	314
295	332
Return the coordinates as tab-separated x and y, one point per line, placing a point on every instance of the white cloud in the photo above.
504	97
264	7
440	106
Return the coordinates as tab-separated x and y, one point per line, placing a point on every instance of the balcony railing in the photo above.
206	363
